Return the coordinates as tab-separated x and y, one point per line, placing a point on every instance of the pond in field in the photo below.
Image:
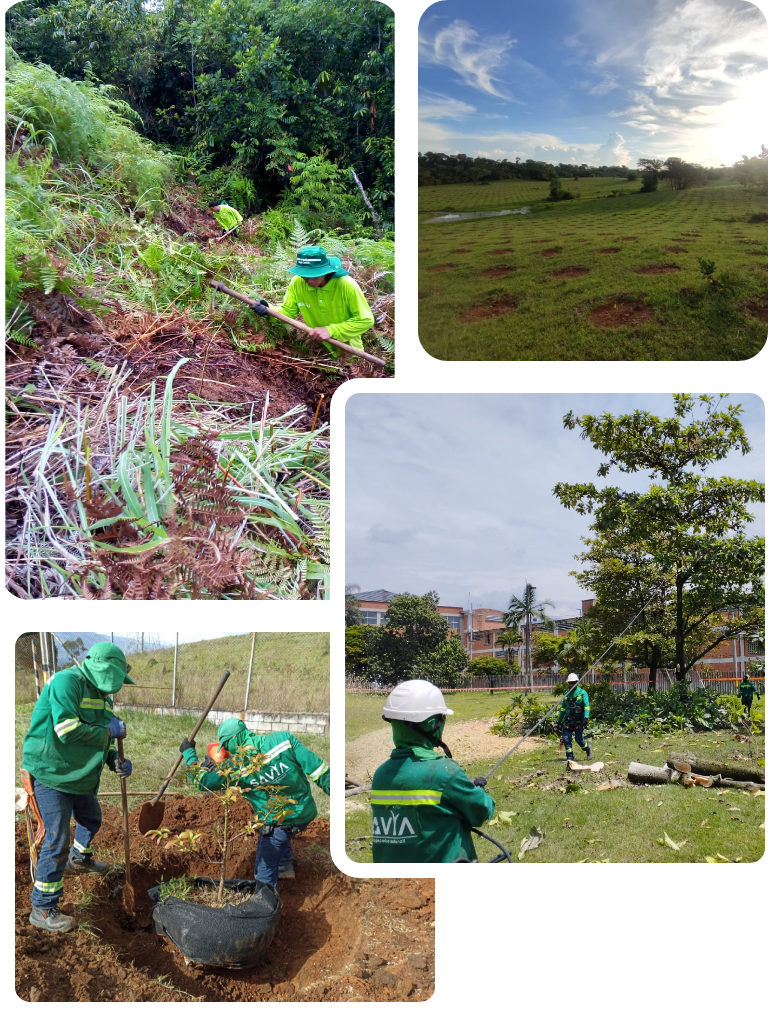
456	216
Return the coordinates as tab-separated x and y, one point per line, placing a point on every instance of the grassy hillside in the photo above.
598	278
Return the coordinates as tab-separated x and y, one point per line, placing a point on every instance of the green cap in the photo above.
312	262
229	729
106	667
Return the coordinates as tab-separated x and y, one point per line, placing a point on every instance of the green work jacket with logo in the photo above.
288	764
424	806
339	305
228	217
747	689
68	743
578	695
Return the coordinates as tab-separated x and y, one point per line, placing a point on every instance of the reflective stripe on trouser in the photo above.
418	797
57	807
567	736
274	852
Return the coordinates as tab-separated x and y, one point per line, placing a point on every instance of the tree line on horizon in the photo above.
440	168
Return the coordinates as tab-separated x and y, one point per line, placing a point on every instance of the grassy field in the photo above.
623	824
152	745
488	288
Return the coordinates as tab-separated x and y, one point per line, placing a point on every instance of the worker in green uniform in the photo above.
573	717
424	805
288	766
229	218
746	692
69	742
326	297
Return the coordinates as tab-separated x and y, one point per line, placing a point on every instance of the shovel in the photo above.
128	894
152	813
298	324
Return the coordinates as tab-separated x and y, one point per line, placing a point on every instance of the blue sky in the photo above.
453	493
605	82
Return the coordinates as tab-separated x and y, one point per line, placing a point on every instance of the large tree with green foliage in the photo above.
677	552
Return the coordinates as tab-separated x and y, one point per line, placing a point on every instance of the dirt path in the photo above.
340	938
468	741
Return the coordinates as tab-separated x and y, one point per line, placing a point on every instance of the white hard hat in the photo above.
573	678
415	700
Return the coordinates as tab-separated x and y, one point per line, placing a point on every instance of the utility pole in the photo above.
175	662
249	676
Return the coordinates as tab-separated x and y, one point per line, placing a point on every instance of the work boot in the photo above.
570	755
86	865
287	873
52	920
589	752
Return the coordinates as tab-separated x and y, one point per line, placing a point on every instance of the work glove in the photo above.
585	722
117	728
261	308
186	744
123	769
208	763
479	781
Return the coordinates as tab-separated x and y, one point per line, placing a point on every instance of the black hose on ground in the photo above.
505	853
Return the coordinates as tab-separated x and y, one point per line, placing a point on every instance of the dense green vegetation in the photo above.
614	274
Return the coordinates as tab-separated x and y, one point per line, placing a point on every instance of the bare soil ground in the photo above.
341	939
619	314
468	741
492	310
570	273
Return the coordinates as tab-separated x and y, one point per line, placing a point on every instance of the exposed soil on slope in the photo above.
657	269
496	273
340	938
491	310
618	315
573	272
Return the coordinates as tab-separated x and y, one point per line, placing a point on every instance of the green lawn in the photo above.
620	825
545	316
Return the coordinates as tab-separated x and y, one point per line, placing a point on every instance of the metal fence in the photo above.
271	672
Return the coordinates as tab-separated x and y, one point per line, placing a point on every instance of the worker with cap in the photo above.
573	717
288	766
424	805
70	740
746	692
326	297
229	218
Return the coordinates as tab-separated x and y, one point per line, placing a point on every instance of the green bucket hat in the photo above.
106	667
312	262
229	729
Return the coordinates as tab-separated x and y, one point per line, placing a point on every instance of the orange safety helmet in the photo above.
216	753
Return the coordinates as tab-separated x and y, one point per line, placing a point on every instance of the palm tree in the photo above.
525	609
579	649
509	639
352	615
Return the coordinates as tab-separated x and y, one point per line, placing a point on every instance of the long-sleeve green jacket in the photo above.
424	804
747	689
339	305
68	743
579	695
288	765
227	216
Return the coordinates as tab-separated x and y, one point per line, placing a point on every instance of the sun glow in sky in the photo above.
595	81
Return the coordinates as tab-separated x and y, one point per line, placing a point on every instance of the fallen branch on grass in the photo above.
641	773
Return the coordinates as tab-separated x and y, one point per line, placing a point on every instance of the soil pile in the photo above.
340	939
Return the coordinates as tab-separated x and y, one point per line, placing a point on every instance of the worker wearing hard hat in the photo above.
424	805
286	767
573	717
69	742
746	692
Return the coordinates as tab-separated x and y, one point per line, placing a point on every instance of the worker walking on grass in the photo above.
573	717
229	218
424	805
287	766
326	297
746	692
69	742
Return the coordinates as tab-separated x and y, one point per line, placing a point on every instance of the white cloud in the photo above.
612	153
474	58
606	85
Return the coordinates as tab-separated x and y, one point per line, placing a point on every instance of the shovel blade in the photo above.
151	816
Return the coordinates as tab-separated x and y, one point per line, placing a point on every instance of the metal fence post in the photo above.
249	676
175	662
35	669
44	656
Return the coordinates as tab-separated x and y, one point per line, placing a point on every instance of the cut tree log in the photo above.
640	773
735	770
744	785
357	790
593	767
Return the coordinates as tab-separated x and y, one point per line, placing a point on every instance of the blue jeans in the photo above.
274	852
567	736
56	809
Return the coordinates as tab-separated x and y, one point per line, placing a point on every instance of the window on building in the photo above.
453	620
373	617
755	646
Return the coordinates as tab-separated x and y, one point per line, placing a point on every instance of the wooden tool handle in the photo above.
297	324
120	751
197	728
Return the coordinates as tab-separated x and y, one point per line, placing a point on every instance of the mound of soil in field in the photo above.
550	252
628	238
502	250
609	250
541	241
619	315
495	273
573	272
340	938
441	268
502	305
461	250
677	250
756	308
657	269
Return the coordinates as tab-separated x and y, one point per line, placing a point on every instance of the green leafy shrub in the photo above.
679	708
521	714
486	667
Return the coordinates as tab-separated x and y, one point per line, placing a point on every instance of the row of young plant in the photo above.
676	709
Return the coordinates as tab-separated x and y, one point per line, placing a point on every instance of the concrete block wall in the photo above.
260	723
